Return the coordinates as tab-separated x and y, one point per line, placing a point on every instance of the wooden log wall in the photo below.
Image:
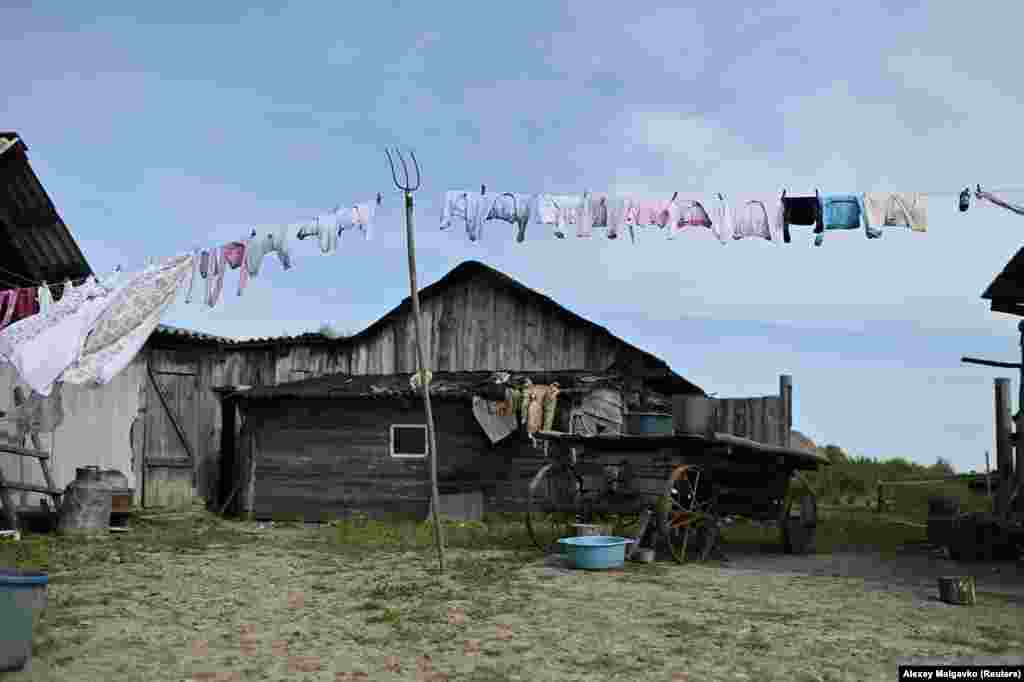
320	459
470	327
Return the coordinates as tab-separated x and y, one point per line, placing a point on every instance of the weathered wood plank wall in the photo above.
767	420
323	458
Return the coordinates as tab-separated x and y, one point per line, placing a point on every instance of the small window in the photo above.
408	440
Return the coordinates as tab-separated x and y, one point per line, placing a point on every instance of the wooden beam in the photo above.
23	452
1003	446
990	363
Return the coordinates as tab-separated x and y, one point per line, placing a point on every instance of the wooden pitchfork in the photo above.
409	186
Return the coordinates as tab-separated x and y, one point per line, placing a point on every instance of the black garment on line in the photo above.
801	211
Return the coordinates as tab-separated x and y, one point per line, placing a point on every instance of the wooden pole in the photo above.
1003	447
1020	419
786	394
421	366
988	478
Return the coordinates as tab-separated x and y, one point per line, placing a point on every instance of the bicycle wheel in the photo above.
552	506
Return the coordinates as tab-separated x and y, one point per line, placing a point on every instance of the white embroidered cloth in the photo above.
134	312
41	347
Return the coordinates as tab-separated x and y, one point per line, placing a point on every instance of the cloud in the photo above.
293	120
343	53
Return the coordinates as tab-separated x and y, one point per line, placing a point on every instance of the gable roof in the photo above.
1006	292
35	244
654	369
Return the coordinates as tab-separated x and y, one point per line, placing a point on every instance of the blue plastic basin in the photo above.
22	596
595	552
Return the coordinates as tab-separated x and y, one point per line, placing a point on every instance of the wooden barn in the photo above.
355	440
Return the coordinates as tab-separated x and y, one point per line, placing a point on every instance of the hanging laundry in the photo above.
41	347
215	282
843	212
326	229
234	256
470	208
192	277
514	209
981	194
965	200
8	298
560	211
758	218
133	313
599	213
362	217
45	298
632	217
889	209
26	304
801	210
616	216
695	211
274	240
657	212
585	217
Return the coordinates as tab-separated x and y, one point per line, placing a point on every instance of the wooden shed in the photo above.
327	446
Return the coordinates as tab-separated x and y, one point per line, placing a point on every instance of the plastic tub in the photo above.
595	552
22	597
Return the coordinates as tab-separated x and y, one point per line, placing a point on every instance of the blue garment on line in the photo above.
844	212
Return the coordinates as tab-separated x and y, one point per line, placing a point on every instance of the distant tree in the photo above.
942	466
331	332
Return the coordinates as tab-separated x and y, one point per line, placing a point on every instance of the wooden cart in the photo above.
675	490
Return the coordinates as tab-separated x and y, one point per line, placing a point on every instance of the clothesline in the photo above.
768	217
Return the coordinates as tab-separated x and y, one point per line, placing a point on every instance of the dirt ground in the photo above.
231	602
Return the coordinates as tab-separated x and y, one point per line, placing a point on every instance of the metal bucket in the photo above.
86	504
693	414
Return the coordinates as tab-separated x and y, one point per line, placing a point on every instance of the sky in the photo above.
159	128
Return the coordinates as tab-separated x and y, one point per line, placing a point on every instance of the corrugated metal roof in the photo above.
35	244
179	332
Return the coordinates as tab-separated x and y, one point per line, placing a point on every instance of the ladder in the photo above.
10	511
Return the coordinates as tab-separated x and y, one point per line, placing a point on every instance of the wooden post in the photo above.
1018	446
421	366
1003	447
881	503
786	394
988	478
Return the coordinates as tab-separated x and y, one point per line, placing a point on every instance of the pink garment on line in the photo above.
215	282
234	255
7	299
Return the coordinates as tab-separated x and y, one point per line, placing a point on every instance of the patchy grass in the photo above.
183	597
838	530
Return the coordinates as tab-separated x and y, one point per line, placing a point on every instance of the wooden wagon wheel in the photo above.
553	505
799	519
688	523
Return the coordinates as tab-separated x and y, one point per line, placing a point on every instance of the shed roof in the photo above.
456	385
35	244
1006	292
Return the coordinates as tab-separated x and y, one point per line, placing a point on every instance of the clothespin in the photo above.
483	189
378	198
253	235
674	195
720	197
977	192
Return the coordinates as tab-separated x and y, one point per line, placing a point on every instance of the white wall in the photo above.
95	428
